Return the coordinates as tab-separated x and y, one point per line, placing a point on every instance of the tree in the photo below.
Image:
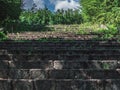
3	10
99	10
10	8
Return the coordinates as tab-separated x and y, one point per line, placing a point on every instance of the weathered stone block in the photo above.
31	65
62	85
38	74
19	74
5	85
4	73
4	65
59	74
95	74
44	85
58	65
5	57
22	85
83	74
112	85
85	64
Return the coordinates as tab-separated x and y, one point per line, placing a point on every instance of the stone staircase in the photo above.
63	65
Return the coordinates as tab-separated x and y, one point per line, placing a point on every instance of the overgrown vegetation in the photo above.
10	9
101	11
46	17
2	36
90	17
103	31
35	21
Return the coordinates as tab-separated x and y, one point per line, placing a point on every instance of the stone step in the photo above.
39	57
4	64
31	65
89	47
60	36
93	64
52	44
61	46
37	42
40	74
6	57
47	57
59	51
89	84
84	74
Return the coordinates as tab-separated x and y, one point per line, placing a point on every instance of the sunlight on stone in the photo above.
58	65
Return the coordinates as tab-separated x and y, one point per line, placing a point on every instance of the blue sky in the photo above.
52	4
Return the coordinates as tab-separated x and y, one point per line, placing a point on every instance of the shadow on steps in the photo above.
59	65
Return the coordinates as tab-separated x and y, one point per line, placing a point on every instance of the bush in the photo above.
111	29
108	33
2	36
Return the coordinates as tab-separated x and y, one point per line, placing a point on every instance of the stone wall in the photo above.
63	65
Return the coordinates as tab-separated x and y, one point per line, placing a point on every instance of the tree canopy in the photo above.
104	11
10	9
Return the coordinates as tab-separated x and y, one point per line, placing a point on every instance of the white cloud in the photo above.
65	4
39	3
59	4
28	4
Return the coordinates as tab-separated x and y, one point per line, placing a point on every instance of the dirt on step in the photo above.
39	35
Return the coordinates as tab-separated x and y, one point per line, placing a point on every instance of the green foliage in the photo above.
111	29
3	10
46	17
36	20
10	11
18	26
90	9
108	33
10	8
103	32
88	28
102	11
106	66
2	36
